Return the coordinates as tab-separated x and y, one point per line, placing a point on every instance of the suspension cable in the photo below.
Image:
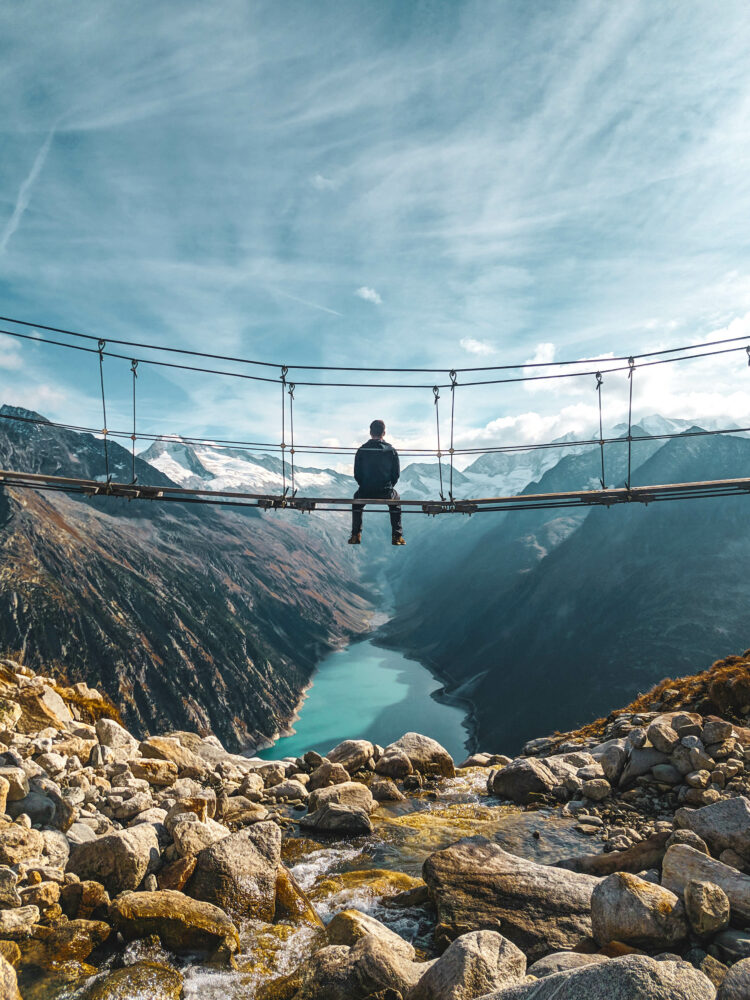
454	379
599	380
631	363
436	394
291	431
284	373
344	368
134	370
102	345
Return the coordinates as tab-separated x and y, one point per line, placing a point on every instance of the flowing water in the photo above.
366	692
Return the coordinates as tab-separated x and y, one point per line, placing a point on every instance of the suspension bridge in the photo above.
446	502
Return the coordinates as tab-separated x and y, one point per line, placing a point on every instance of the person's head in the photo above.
377	429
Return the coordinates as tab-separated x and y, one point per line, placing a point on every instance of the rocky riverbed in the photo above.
611	862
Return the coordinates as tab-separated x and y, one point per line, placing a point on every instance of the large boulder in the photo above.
111	734
348	793
356	973
238	873
41	708
351	754
522	780
736	984
683	864
142	979
328	774
183	925
424	754
640	857
563	961
472	966
476	885
638	913
634	977
640	762
723	825
349	926
119	860
67	941
189	764
17	923
393	763
338	820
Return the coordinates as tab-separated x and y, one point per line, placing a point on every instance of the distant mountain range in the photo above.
202	617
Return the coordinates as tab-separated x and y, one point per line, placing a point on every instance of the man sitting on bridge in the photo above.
376	469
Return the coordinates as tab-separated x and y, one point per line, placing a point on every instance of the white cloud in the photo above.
543	355
10	357
369	295
322	183
479	347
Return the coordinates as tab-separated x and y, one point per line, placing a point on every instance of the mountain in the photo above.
189	617
553	614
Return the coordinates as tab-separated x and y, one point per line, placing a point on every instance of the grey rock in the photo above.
629	909
640	762
707	907
9	896
385	790
724	825
683	864
333	818
349	793
472	966
667	774
349	926
238	873
689	838
521	780
111	734
369	967
328	774
662	737
424	754
476	885
79	833
736	984
351	754
634	977
393	764
563	961
119	860
733	944
39	808
16	924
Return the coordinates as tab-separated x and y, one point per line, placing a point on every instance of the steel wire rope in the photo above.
134	370
599	380
102	345
436	394
348	368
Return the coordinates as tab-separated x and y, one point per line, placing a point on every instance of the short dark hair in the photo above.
377	428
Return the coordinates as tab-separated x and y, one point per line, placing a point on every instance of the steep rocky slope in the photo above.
553	615
186	616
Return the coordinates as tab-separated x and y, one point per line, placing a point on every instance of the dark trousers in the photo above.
371	494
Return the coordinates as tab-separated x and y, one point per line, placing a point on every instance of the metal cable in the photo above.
291	431
134	370
436	394
454	378
631	363
102	345
345	368
284	372
599	381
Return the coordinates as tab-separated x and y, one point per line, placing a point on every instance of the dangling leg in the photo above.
397	537
357	509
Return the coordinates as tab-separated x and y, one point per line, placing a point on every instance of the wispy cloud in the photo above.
321	183
369	295
479	347
24	192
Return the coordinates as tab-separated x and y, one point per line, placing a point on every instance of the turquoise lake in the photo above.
365	692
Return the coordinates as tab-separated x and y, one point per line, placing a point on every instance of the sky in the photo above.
424	184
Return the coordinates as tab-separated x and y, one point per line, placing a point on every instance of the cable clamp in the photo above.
599	380
436	390
292	387
134	368
631	365
453	377
748	355
101	345
284	373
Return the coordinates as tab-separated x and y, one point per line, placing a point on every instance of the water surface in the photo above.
365	692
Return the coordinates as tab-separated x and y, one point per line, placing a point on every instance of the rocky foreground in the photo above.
176	844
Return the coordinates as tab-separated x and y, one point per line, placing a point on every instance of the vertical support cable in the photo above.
284	373
436	394
102	345
631	364
454	379
599	380
291	430
134	370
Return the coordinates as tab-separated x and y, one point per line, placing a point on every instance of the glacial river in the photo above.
365	692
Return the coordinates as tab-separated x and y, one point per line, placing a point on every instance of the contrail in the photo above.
24	193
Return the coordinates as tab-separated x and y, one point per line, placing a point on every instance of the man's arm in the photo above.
396	468
358	466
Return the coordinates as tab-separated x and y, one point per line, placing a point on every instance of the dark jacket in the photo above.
376	466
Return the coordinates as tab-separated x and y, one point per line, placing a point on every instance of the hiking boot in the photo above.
356	539
398	540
